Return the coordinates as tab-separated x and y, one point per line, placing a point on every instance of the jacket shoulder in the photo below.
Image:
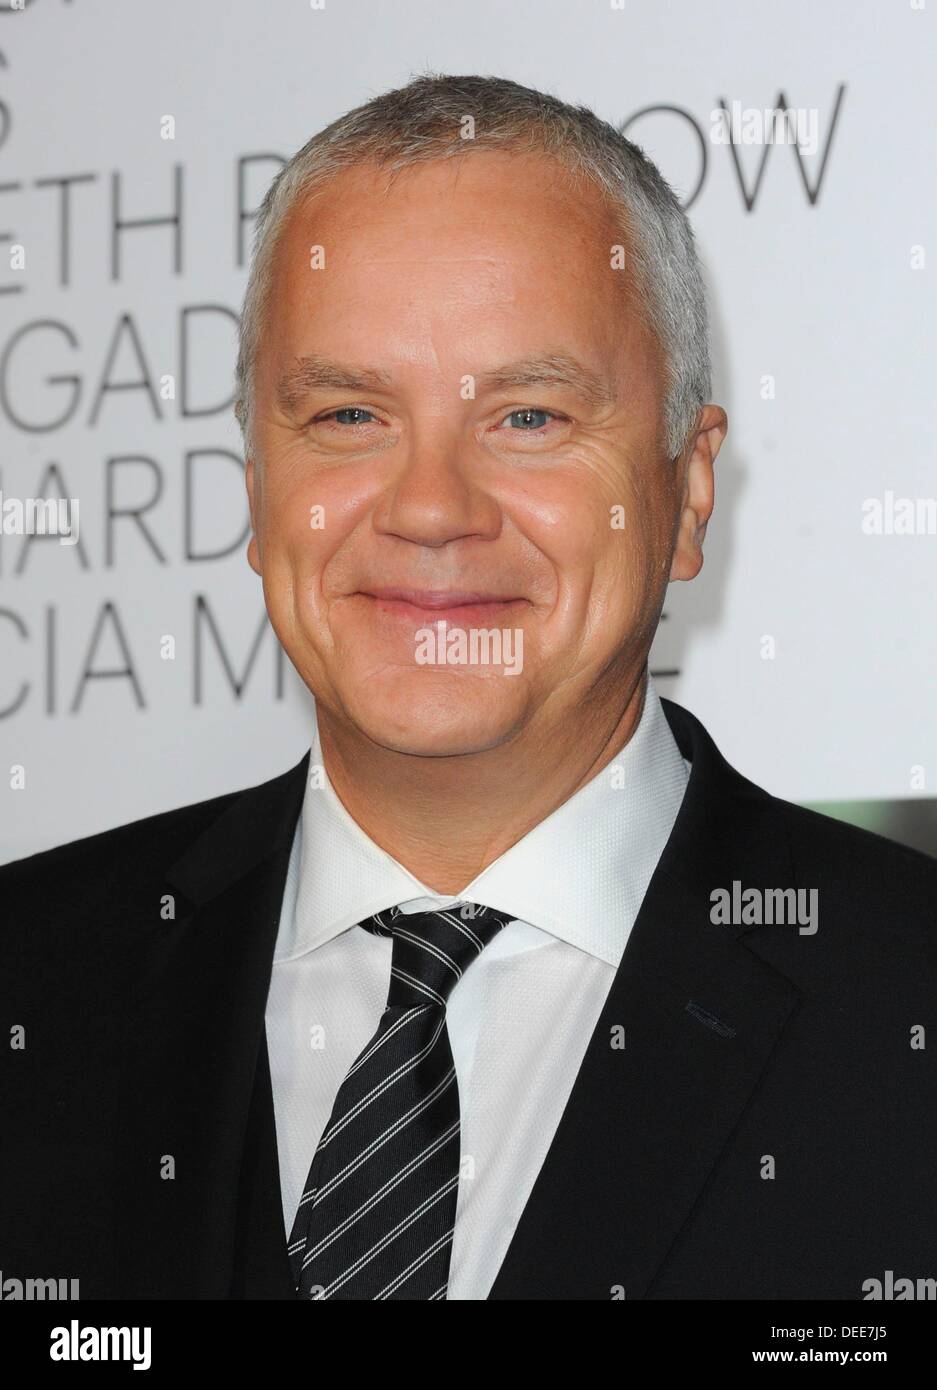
875	897
818	838
154	839
100	879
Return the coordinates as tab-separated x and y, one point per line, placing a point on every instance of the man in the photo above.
512	987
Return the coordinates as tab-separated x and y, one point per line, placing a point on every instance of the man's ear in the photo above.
253	549
698	492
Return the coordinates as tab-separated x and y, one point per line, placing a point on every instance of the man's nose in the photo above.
437	494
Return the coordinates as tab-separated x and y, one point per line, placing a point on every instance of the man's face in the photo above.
436	474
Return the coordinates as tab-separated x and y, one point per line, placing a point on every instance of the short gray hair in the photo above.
422	122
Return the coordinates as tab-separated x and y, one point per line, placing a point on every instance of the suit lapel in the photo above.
198	1180
701	1013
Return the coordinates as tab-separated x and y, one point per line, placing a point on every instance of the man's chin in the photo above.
435	718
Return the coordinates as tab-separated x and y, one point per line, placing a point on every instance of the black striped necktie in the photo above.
377	1213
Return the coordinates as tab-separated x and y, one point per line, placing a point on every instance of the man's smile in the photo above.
442	605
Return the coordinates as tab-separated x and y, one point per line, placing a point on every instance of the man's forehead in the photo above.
526	184
572	289
329	246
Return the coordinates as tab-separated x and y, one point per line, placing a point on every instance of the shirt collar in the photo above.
580	874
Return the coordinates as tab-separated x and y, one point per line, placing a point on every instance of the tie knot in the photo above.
432	950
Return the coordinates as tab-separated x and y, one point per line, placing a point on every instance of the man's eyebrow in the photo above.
555	369
314	372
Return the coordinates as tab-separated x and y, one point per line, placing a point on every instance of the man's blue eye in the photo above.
526	422
349	410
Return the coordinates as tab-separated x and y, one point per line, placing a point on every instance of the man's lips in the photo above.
438	598
442	605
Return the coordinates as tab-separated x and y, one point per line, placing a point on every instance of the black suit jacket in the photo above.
744	1046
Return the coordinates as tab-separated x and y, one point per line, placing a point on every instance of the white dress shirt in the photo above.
520	1019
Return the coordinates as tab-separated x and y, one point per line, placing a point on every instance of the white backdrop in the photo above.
823	308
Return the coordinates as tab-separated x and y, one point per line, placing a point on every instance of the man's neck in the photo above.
445	819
